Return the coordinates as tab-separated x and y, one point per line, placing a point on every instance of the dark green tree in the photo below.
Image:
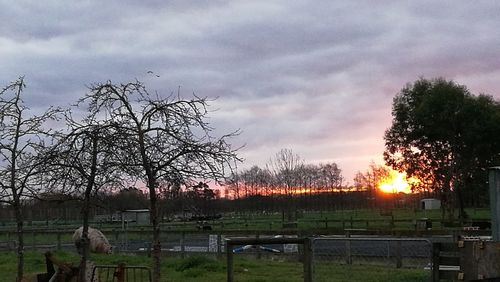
445	136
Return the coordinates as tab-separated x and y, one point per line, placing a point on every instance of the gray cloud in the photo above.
317	77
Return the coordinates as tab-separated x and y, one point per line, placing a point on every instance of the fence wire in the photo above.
386	253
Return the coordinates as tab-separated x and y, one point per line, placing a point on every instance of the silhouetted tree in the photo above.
81	162
22	136
444	135
159	137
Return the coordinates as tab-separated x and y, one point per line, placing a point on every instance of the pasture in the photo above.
326	221
201	268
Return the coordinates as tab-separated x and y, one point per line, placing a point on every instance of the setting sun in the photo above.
396	182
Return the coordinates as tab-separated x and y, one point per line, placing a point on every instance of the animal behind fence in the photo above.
98	242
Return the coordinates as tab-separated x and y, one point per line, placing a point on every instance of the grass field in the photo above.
206	269
373	219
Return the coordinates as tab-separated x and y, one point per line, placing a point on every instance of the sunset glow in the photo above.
396	182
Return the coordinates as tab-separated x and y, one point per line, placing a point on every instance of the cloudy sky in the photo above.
314	76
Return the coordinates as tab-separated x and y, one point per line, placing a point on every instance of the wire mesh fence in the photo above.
331	254
386	253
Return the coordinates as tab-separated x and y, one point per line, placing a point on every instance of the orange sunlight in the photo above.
396	182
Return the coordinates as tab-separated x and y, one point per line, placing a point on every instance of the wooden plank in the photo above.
449	274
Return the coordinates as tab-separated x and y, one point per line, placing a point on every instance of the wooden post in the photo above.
259	254
219	245
436	249
308	260
399	260
229	256
117	236
348	258
149	249
120	273
183	244
494	186
34	241
58	241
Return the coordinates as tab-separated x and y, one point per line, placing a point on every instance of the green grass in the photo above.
207	269
326	273
363	218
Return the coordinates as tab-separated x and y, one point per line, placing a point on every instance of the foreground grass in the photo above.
200	268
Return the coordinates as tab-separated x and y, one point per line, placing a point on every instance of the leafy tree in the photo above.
22	136
160	137
445	136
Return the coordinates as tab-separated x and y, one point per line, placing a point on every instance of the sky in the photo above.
317	77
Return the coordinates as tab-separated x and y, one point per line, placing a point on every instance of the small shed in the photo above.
140	217
430	204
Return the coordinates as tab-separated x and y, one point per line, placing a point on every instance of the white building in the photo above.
430	204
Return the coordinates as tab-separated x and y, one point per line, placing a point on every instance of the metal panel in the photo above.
494	183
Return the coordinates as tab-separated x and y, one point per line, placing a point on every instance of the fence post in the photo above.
399	260
348	259
33	244
120	273
183	244
9	240
308	260
229	256
117	237
259	254
219	245
58	241
436	249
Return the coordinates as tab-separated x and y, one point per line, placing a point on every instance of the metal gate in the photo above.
121	273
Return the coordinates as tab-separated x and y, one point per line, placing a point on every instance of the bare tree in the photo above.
160	137
21	138
370	180
333	179
284	166
80	164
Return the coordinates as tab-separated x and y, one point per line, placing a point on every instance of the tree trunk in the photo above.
20	242
461	207
85	242
156	254
86	208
